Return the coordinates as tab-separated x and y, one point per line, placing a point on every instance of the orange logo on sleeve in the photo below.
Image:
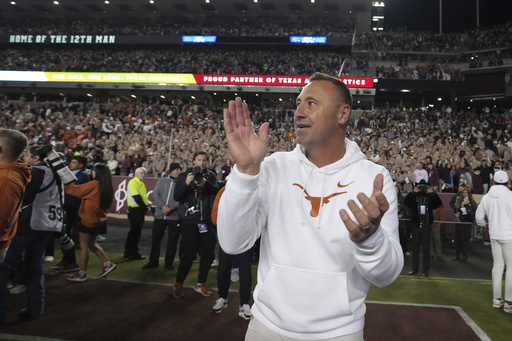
317	202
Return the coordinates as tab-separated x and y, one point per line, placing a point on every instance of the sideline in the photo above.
478	331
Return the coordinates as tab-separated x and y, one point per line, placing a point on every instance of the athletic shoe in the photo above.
107	269
497	303
76	277
178	290
220	305
100	238
59	265
69	268
244	311
507	307
235	275
18	289
215	262
48	259
202	288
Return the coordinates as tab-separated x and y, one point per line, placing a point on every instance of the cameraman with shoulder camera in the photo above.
40	217
195	190
422	201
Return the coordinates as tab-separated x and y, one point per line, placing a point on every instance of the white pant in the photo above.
258	332
502	255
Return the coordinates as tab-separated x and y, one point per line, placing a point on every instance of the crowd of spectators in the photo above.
412	41
152	134
211	60
211	25
427	58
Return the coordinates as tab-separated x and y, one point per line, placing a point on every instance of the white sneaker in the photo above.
244	311
235	275
497	303
100	238
507	307
18	289
215	262
220	305
48	259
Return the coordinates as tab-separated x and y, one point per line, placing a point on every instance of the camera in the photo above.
54	161
422	189
65	242
198	174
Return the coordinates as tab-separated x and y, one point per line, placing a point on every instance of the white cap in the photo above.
500	177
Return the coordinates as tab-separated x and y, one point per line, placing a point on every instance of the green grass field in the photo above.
473	296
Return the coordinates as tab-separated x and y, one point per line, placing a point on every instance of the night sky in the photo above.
458	15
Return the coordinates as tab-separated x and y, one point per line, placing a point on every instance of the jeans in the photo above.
501	255
159	226
33	245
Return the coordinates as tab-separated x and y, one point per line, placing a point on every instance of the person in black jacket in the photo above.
196	189
422	201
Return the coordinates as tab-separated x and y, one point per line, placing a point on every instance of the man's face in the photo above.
201	161
31	159
319	114
140	175
75	165
175	172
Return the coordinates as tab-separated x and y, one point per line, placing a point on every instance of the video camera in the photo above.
54	161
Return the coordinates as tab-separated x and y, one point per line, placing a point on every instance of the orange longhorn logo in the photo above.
317	201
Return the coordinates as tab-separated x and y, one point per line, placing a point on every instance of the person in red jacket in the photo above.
14	176
97	196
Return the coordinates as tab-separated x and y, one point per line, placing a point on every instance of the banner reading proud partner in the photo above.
170	78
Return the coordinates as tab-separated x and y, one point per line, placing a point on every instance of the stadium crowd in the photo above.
130	134
212	25
415	55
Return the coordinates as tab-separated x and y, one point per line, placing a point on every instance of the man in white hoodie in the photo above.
496	205
327	218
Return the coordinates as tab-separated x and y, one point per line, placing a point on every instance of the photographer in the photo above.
195	190
422	201
41	215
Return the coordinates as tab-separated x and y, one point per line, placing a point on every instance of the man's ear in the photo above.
344	114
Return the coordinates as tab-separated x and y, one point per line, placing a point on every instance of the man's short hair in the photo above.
196	154
141	170
13	142
80	159
344	91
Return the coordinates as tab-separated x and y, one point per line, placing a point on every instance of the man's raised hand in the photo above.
246	147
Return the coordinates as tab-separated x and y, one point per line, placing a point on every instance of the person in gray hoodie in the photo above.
166	216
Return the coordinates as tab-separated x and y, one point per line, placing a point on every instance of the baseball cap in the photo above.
501	177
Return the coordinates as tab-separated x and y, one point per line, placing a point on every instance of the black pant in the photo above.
191	242
224	274
69	256
136	219
173	234
462	238
421	236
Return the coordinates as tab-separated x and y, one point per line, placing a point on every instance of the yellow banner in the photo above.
119	77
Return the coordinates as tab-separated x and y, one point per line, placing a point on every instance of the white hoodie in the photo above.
497	206
312	279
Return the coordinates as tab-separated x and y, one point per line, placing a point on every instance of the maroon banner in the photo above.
120	183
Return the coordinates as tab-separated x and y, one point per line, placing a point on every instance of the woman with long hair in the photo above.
97	196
